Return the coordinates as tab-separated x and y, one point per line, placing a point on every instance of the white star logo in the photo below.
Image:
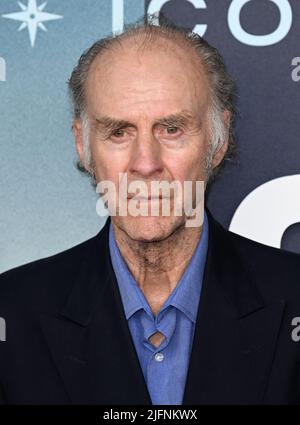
32	17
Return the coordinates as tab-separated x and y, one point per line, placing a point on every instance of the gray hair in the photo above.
222	87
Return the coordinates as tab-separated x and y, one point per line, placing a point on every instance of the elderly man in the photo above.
151	309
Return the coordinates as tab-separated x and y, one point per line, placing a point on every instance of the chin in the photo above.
149	229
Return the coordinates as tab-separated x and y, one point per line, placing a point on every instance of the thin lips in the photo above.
146	198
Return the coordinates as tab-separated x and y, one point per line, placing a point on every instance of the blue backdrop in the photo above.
47	206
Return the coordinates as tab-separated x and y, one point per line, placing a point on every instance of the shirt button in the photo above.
159	357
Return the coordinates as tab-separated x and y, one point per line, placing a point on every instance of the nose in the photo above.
145	161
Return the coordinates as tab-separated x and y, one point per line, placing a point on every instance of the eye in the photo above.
172	130
118	133
121	135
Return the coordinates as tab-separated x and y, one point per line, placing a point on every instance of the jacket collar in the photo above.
222	260
185	296
233	344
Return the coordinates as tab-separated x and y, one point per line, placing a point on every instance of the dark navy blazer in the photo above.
60	309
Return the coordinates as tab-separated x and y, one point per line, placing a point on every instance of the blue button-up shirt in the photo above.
165	367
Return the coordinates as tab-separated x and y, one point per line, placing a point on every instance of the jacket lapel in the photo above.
233	346
236	332
90	341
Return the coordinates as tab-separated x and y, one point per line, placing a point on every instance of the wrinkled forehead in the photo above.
165	71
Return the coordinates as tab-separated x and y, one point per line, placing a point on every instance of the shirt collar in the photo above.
185	297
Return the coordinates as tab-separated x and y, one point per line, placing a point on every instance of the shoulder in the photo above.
263	254
46	280
249	251
275	270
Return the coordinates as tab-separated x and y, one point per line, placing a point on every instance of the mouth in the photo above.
147	198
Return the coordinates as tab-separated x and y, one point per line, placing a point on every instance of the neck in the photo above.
158	266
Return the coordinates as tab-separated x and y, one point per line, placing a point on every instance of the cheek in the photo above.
189	167
107	163
107	170
197	165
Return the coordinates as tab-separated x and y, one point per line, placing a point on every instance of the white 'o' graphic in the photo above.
286	19
268	211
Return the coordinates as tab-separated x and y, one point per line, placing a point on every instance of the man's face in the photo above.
147	115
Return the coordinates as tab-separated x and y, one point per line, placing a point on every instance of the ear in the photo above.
77	132
220	153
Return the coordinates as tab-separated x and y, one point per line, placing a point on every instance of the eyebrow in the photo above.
182	119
